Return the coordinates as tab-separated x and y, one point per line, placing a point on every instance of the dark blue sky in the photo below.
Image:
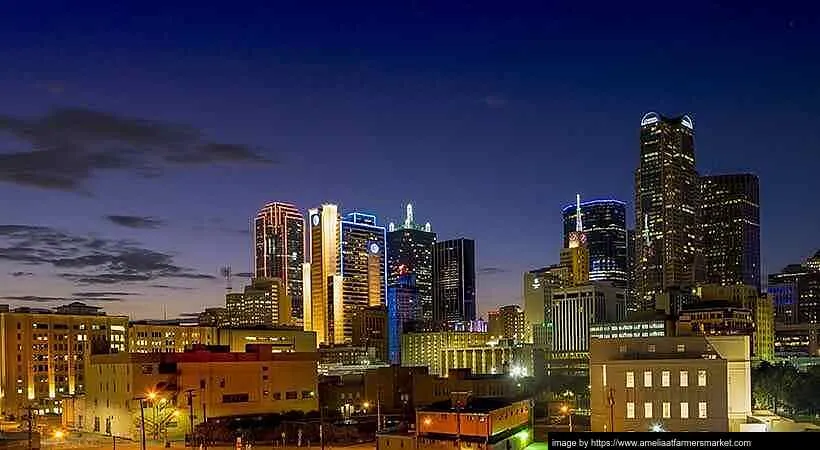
489	118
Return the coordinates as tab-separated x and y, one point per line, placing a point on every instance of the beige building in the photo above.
425	349
221	383
509	322
283	339
670	383
147	336
762	309
265	302
324	258
44	353
506	356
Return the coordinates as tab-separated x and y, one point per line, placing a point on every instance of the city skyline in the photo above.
499	137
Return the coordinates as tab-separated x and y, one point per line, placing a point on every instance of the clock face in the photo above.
315	220
374	247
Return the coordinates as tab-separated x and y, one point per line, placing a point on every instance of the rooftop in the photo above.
473	405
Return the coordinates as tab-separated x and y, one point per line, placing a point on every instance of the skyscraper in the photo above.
454	280
324	260
604	222
363	267
667	242
279	236
575	254
410	251
402	307
730	223
348	268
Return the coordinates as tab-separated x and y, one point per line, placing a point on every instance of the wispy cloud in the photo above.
67	147
170	287
21	274
139	222
44	299
490	270
87	259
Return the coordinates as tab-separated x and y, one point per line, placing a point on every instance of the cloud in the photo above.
167	286
490	270
67	147
243	275
135	221
42	299
102	294
89	260
34	299
218	225
494	101
21	274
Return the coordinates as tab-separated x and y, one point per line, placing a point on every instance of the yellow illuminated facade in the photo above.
222	384
151	337
324	256
44	353
425	349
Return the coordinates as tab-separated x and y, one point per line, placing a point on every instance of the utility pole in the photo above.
611	399
30	420
190	393
321	426
142	422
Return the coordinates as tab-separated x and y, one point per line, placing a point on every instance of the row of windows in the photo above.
666	410
665	378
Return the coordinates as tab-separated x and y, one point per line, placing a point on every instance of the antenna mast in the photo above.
226	273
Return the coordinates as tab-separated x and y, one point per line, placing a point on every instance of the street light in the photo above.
566	410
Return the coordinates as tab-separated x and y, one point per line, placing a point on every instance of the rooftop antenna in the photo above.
226	273
578	224
646	229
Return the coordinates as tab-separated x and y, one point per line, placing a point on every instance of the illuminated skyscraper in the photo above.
348	268
667	241
279	236
575	255
604	222
363	268
324	261
454	285
730	220
410	251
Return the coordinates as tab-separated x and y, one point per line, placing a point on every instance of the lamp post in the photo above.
611	400
568	411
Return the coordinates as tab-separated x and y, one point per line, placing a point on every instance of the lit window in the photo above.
684	378
651	348
684	410
701	410
630	410
701	378
647	410
681	348
666	410
647	379
665	378
630	379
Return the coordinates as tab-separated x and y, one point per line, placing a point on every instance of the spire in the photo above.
408	222
579	226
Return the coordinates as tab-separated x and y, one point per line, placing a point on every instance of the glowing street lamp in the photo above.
567	411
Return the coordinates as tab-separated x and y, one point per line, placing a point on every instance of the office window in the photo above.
684	378
630	410
647	378
701	410
651	348
630	379
647	410
684	410
681	348
666	410
701	377
665	378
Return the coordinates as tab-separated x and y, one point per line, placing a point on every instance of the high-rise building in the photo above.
264	302
454	281
631	294
575	309
667	244
370	330
45	353
537	293
604	223
509	323
402	304
348	267
730	224
575	255
279	236
410	251
796	293
324	261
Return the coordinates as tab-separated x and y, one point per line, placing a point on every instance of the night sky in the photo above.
137	142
